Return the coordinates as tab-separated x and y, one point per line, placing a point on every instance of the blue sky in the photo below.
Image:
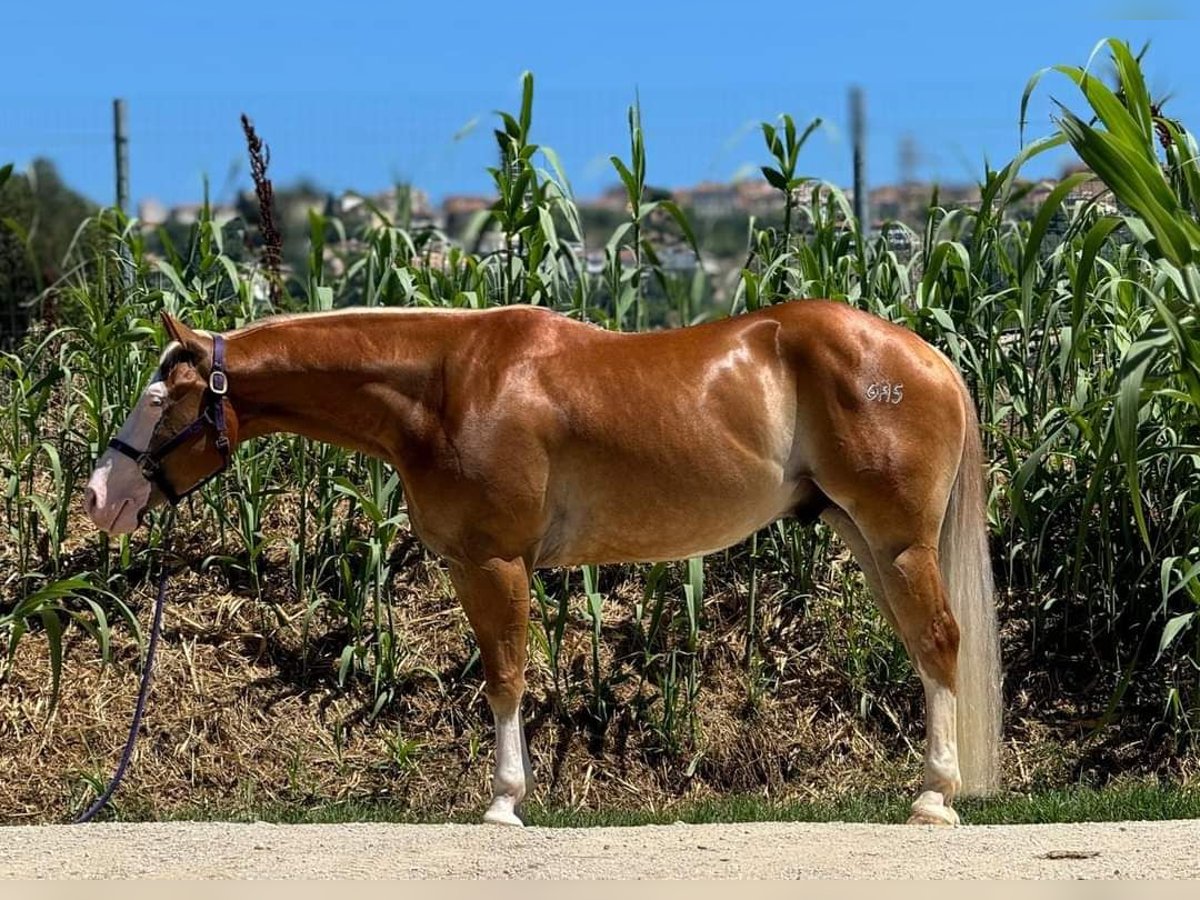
356	95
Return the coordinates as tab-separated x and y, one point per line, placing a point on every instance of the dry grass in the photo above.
242	715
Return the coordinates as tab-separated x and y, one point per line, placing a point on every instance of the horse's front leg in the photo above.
495	596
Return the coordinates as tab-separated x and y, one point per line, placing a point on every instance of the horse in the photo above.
526	439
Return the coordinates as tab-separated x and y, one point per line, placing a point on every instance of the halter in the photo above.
212	414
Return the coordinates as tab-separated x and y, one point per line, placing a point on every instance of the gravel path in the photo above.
760	850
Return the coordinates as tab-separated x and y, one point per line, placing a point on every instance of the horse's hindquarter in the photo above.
881	411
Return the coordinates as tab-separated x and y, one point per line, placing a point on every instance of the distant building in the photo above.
151	213
1038	194
757	198
459	209
1090	191
909	202
403	204
956	194
719	205
188	214
900	240
292	208
615	199
709	199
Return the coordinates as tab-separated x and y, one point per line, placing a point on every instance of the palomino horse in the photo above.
526	439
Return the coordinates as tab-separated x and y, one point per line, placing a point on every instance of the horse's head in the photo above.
178	436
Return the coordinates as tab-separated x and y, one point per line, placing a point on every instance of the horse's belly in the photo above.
645	525
683	470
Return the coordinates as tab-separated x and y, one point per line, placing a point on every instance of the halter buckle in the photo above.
218	383
149	466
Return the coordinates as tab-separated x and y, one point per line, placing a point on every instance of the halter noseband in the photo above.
212	413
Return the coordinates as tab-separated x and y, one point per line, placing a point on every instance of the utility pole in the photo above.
910	156
121	146
858	128
121	151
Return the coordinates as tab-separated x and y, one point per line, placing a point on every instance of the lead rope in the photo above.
144	689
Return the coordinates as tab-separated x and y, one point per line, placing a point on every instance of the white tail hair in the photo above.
967	571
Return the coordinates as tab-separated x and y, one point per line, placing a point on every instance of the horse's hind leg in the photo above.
916	595
898	555
495	596
913	583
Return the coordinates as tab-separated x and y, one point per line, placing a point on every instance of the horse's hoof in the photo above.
930	809
501	813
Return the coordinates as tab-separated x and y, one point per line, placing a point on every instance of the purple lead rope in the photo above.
143	690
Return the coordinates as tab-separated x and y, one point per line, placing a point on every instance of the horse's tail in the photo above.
967	570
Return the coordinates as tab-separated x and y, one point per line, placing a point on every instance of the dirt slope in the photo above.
762	850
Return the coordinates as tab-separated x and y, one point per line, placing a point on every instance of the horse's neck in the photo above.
366	382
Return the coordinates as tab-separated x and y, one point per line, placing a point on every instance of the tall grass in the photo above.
1076	330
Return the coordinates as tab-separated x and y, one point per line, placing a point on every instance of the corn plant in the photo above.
54	604
595	609
626	284
553	621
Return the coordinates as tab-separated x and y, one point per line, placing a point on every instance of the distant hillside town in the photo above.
719	211
720	215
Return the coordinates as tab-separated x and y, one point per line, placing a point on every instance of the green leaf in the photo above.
526	104
16	228
1109	110
1141	356
1092	243
772	139
69	587
53	626
1133	84
775	178
466	129
812	126
1032	464
682	221
344	663
173	276
618	235
101	630
512	132
942	317
560	174
1041	222
1136	182
632	190
1173	629
1030	85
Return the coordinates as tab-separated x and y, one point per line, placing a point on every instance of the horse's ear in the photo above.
196	346
176	330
